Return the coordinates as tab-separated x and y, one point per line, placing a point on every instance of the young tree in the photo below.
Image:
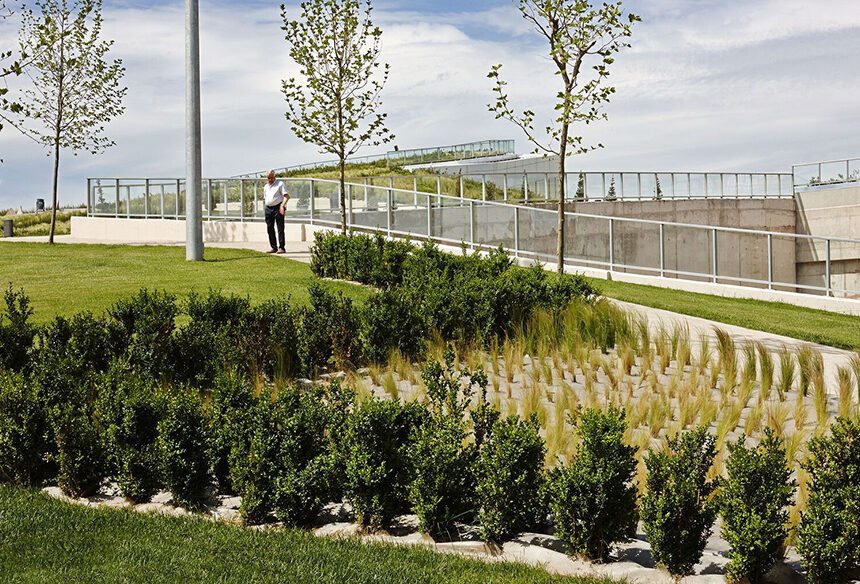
578	32
13	63
75	91
336	106
610	194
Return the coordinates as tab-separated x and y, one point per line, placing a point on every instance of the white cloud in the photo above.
707	85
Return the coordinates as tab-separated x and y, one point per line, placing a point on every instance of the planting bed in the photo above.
497	404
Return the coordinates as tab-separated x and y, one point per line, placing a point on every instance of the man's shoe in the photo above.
272	251
281	250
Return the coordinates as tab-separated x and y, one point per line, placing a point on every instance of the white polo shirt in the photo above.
273	194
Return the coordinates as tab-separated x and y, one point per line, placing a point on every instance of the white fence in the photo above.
696	252
594	186
464	151
829	172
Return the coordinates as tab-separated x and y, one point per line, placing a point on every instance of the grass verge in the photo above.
816	326
45	540
67	279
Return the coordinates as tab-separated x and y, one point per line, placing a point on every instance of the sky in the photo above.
708	85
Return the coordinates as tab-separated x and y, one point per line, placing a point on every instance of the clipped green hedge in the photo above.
462	296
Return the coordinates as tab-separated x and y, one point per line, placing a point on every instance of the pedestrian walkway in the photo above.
296	250
833	357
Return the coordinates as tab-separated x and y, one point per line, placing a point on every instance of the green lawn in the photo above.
817	326
44	540
66	279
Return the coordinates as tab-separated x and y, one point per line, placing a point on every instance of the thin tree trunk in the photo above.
562	155
342	195
54	192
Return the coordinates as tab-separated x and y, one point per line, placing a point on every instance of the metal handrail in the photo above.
697	184
386	193
819	180
501	147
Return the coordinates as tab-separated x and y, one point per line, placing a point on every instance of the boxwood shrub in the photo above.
593	499
829	536
25	442
128	412
16	331
442	490
754	502
182	444
678	509
377	472
510	479
468	296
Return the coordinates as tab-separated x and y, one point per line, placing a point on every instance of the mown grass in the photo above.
816	326
44	540
67	279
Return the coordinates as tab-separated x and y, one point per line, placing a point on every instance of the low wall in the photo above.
112	229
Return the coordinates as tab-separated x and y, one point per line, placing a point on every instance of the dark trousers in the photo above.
273	216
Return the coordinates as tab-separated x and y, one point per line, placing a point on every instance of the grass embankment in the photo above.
45	540
34	224
816	326
66	279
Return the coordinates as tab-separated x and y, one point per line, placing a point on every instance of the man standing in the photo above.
275	197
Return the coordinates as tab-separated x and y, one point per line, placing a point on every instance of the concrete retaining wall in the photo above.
829	212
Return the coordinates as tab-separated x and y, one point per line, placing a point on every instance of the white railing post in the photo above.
89	197
226	201
517	232
505	187
714	255
388	211
526	186
662	253
116	209
176	209
429	216
472	223
313	203
349	219
483	187
162	201
128	201
146	198
827	266
770	261
242	200
365	194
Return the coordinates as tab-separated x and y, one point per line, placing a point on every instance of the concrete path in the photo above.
296	250
833	358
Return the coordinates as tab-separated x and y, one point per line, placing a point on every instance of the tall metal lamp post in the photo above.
193	163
